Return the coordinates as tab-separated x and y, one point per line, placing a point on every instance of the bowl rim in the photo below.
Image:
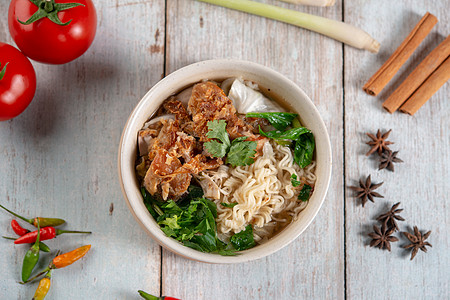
146	221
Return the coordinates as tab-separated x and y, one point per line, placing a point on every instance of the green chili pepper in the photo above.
31	258
43	247
44	222
46	270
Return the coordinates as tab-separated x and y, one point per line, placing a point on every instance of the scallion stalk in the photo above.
312	2
337	30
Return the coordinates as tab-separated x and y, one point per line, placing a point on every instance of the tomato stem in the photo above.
49	9
48	6
2	73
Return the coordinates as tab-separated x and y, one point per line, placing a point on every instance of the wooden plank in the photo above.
311	267
420	183
59	157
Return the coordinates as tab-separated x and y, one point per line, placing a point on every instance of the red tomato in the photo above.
48	42
18	85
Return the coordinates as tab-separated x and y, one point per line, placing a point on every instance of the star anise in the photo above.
366	190
388	218
417	241
382	238
388	158
378	142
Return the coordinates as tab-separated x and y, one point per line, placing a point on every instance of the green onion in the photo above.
337	30
312	2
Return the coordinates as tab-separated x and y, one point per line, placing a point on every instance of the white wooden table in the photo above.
59	157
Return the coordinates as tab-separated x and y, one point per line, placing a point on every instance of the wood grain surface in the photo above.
59	158
301	270
420	183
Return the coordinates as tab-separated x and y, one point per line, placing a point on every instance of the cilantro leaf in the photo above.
217	130
305	192
294	180
241	153
244	239
229	205
279	120
216	149
239	139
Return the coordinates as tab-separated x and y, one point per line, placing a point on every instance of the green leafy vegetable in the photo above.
303	143
291	134
217	130
294	180
305	192
279	120
296	123
304	149
244	239
229	205
192	221
241	152
227	252
151	204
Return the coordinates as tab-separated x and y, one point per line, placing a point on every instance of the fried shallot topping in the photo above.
176	153
207	103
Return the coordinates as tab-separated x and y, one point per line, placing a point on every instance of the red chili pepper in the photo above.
19	230
151	297
43	247
47	233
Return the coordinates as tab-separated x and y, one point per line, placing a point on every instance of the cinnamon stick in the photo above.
418	76
379	80
428	88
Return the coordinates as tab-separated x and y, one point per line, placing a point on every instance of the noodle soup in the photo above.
222	167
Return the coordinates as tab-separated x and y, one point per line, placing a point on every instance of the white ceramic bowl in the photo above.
286	90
